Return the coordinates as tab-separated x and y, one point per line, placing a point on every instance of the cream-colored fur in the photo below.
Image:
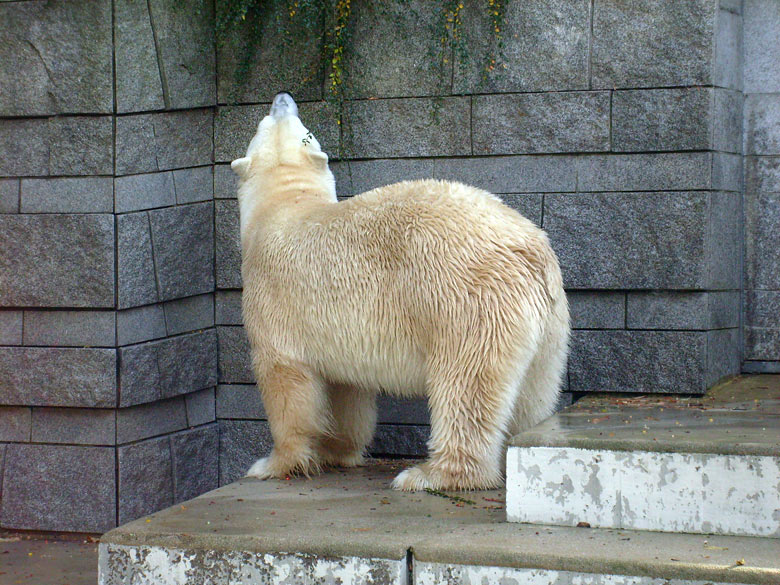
427	288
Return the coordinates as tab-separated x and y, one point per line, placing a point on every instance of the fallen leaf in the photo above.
740	562
582	525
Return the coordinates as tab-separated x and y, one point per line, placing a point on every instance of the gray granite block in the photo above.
9	195
762	173
409	127
24	147
193	185
417	70
11	327
2	467
61	64
163	141
597	310
604	240
242	401
241	443
655	43
762	124
135	261
364	175
558	30
761	367
145	472
166	368
147	191
183	249
541	123
62	195
54	376
682	310
395	410
195	462
726	171
73	263
762	308
512	174
228	244
729	47
70	328
150	420
189	314
235	126
201	407
81	145
762	343
727	120
633	172
234	356
662	119
83	426
638	361
762	226
59	488
225	182
15	424
228	307
528	205
400	440
724	355
138	82
762	51
140	324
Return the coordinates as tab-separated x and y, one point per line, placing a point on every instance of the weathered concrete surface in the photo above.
354	514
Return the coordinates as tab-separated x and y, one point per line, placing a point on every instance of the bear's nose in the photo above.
283	105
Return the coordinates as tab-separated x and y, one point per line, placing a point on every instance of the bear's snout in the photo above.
283	105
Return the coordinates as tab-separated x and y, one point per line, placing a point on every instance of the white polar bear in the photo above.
427	288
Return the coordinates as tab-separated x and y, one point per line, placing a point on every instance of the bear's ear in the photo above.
319	158
240	166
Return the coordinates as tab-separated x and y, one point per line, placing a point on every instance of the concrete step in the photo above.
349	527
698	465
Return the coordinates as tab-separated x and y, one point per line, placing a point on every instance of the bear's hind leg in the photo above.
354	420
296	404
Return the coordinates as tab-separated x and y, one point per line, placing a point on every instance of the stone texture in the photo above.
512	174
135	261
528	205
682	310
83	426
662	119
723	355
147	191
75	195
44	488
140	324
225	182
558	29
201	407
183	250
81	145
541	123
726	120
406	127
727	171
193	185
724	261
73	264
597	310
400	440
762	343
235	126
9	195
655	43
228	244
760	367
762	173
762	54
163	141
145	478
242	401
168	367
241	443
234	356
762	124
762	240
394	410
58	376
189	314
228	307
195	462
729	46
11	327
762	307
15	423
637	361
24	147
69	43
70	328
149	420
652	172
363	175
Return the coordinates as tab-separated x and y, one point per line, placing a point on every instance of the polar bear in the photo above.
426	288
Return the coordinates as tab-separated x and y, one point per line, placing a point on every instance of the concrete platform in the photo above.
350	527
40	559
707	465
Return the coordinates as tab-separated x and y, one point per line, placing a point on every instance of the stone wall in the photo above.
616	126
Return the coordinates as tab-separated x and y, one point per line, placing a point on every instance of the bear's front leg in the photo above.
354	420
296	404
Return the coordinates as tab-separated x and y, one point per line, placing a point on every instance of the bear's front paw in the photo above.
261	469
412	480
